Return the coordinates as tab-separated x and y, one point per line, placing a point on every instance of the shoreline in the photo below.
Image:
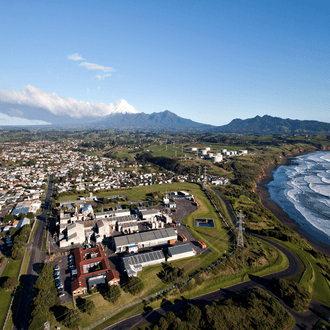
282	216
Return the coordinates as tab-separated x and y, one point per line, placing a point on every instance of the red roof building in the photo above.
92	269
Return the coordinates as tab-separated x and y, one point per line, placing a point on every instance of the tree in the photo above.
17	253
13	231
20	216
10	283
72	319
86	306
134	285
170	317
8	218
193	314
162	324
30	215
113	294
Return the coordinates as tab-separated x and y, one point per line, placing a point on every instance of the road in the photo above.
22	317
303	320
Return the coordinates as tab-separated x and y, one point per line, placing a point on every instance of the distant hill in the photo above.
165	120
274	125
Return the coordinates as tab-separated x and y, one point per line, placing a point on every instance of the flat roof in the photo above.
179	249
145	236
142	258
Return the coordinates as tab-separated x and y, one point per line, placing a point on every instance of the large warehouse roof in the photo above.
144	237
143	258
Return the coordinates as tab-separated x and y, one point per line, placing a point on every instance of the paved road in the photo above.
303	320
22	317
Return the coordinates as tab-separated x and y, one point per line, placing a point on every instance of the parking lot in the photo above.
65	277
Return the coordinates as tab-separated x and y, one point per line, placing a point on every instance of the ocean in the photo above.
302	190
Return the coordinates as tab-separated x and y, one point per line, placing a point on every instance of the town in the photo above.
117	225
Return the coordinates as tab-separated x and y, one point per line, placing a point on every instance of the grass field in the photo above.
312	277
11	270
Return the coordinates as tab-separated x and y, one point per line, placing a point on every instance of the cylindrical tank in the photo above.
216	159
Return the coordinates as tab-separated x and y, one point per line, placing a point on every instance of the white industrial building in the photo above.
103	228
111	214
134	264
149	214
145	239
75	235
180	251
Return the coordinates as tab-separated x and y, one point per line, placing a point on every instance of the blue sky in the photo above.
209	61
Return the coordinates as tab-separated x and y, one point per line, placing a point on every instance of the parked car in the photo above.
61	294
57	273
57	267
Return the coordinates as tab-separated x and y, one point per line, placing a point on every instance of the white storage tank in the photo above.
216	159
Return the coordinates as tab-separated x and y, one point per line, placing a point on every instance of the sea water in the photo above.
302	190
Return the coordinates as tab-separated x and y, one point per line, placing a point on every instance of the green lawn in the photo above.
11	270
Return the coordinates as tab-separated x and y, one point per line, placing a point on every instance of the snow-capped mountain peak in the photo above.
123	107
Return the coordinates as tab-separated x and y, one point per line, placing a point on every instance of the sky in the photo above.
209	61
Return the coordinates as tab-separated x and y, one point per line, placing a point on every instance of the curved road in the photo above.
303	320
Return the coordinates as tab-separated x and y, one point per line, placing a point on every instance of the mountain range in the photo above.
123	116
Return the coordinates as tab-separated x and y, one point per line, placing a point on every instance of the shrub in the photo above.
10	283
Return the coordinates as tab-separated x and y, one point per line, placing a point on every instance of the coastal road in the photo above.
22	316
303	320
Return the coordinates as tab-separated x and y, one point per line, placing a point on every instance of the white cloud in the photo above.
6	120
75	57
97	67
34	97
103	76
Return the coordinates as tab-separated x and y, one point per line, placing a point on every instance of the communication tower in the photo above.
240	239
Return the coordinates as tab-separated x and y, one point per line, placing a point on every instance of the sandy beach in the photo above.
263	193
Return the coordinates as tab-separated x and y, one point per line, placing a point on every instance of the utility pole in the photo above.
204	180
240	239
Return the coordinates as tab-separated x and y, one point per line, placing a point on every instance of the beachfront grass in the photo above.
312	276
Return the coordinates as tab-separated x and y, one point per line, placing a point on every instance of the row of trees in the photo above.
292	293
254	309
20	238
